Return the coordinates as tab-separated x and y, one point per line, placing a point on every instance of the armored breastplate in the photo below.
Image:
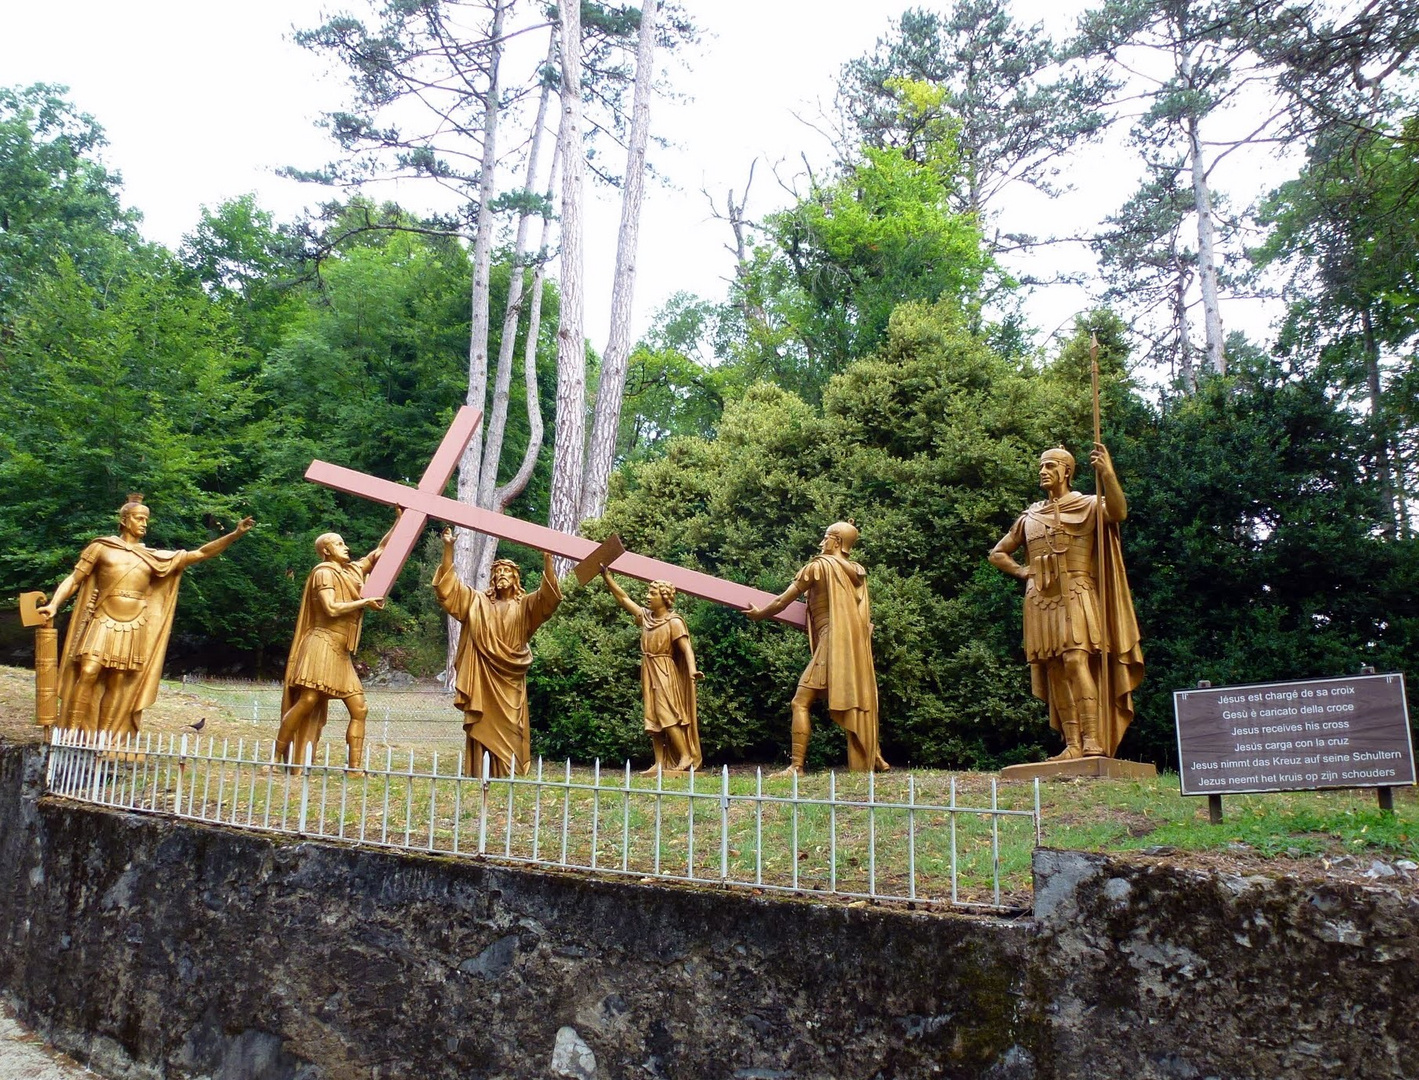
1056	549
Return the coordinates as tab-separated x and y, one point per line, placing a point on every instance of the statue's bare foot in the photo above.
1069	753
792	770
1093	749
652	770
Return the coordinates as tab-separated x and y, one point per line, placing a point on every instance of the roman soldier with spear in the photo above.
1081	636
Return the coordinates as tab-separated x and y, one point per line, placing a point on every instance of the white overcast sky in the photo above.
202	102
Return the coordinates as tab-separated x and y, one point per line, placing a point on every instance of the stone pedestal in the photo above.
1096	767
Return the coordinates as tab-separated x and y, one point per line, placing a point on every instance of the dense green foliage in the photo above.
1255	547
1252	545
209	381
930	447
853	371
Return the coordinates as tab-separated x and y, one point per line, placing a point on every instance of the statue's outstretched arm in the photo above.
774	606
619	593
333	608
215	547
374	555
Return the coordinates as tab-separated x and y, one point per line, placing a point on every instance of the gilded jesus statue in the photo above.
490	668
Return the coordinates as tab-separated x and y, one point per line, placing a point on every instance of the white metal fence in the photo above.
705	827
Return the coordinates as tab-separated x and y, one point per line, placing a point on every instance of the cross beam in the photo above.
426	501
410	525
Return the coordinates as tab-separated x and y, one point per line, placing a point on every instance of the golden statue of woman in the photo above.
668	676
327	635
840	635
490	669
1080	631
126	594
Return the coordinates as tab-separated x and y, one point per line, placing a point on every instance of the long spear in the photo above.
1100	581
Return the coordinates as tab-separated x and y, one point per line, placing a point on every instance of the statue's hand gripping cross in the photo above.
427	501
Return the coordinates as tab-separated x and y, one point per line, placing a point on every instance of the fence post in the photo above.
1039	832
758	825
995	836
409	800
794	854
49	759
595	809
953	839
566	807
511	805
690	831
911	835
181	768
457	800
483	809
724	823
305	789
433	790
872	832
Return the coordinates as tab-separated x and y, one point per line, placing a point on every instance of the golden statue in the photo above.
840	635
668	676
125	596
490	668
320	665
1078	609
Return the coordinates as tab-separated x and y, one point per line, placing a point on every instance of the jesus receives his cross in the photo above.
493	656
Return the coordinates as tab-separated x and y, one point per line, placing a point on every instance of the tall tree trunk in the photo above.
507	344
504	495
470	466
1206	247
569	444
611	390
1182	328
1380	427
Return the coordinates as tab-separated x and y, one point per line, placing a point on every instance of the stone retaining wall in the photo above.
153	948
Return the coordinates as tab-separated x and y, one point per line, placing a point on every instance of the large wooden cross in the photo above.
427	501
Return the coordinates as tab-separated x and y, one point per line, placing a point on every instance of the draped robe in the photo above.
490	668
840	635
323	645
667	685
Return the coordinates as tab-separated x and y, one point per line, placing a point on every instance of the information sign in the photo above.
1294	736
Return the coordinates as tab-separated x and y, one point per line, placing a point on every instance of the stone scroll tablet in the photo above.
1294	736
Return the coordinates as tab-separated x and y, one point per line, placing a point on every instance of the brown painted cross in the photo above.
427	501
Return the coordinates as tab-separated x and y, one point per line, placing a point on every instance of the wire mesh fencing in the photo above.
746	830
